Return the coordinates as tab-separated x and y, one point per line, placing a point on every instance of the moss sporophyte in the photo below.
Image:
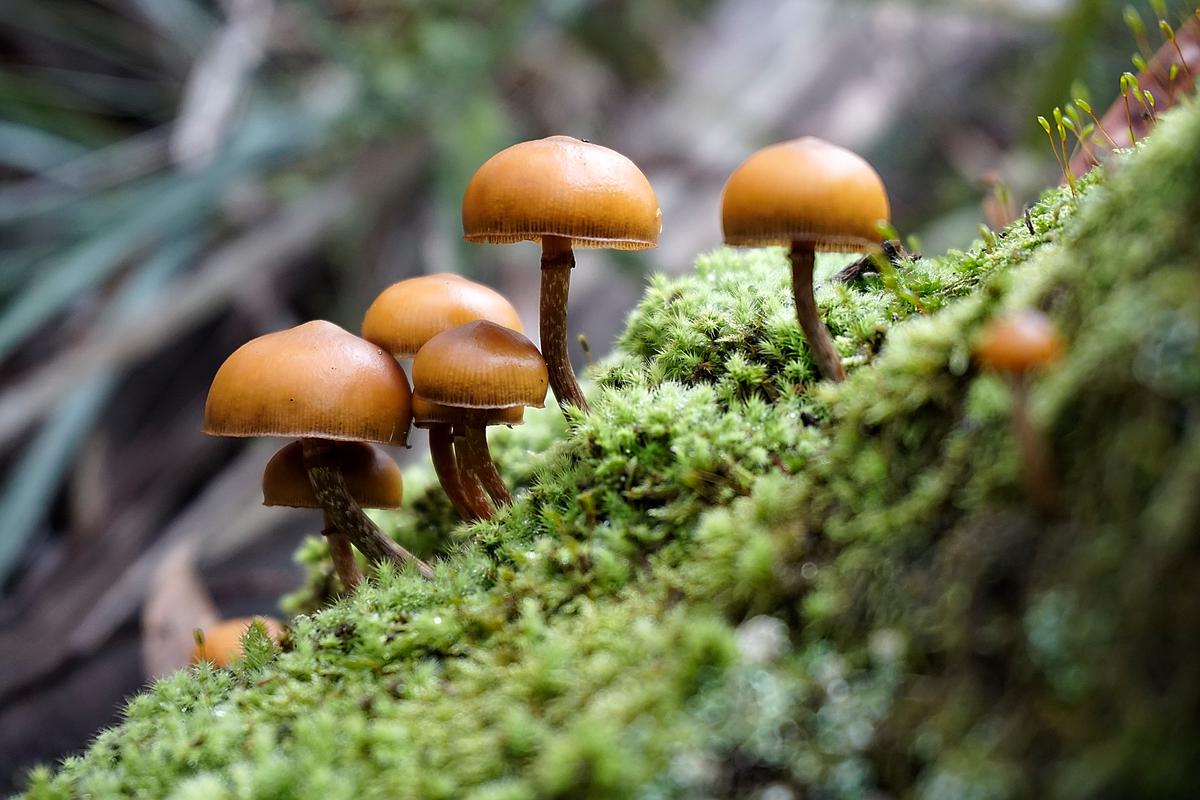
733	579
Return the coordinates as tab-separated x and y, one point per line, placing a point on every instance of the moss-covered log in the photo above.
720	581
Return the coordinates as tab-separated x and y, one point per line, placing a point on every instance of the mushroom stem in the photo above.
481	462
346	516
1037	471
829	363
441	451
343	556
471	483
557	262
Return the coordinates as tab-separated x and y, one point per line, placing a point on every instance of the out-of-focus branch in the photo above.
217	81
241	265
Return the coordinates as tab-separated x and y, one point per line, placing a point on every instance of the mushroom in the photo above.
402	319
562	193
806	195
318	383
475	373
221	644
373	480
409	313
1017	345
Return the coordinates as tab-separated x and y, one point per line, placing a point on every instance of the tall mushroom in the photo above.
373	480
1016	346
561	193
320	384
472	374
806	195
401	320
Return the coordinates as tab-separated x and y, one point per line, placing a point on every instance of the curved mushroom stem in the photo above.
481	462
557	262
343	556
1037	470
829	363
472	485
441	451
346	516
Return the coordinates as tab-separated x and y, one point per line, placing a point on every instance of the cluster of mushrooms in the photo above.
335	393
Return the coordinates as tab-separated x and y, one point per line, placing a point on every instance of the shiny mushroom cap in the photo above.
427	413
560	186
222	643
481	365
313	380
372	477
408	314
804	190
1019	343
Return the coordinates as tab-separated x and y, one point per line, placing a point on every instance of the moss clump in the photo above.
725	581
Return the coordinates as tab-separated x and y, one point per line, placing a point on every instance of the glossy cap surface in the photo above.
1018	343
372	477
481	365
408	314
312	380
560	186
804	190
223	641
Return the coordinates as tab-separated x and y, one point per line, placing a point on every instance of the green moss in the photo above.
727	578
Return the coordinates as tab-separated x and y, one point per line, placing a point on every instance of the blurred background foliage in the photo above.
177	176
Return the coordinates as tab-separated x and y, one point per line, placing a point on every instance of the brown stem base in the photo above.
829	363
441	452
481	462
343	557
1037	466
472	485
346	516
557	262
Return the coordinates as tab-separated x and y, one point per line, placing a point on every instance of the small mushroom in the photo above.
561	193
409	313
806	195
1016	346
320	384
476	375
402	319
373	480
221	644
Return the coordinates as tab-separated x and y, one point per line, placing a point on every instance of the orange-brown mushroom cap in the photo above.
804	190
408	314
560	186
427	413
222	644
481	365
314	380
1018	343
374	479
